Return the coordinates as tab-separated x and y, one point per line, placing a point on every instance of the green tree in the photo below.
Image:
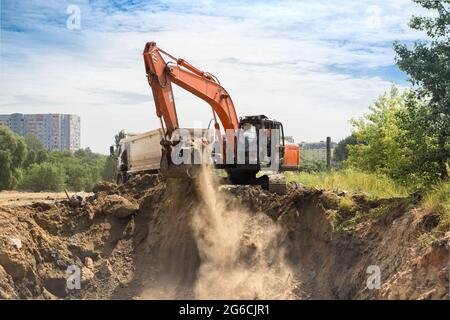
83	168
341	151
13	152
119	136
428	65
36	151
78	176
25	163
44	177
87	156
109	169
310	166
427	163
33	143
381	149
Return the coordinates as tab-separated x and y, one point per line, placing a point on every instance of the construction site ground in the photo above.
18	198
161	239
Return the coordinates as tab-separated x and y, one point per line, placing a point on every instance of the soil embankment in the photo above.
159	239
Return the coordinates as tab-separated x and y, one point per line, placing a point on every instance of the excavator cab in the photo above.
264	131
265	149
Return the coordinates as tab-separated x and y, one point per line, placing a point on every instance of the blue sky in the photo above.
310	64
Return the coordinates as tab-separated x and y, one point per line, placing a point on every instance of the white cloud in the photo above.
273	58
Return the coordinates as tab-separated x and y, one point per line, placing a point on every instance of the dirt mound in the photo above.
156	238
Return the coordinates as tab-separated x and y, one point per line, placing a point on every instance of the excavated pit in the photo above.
157	239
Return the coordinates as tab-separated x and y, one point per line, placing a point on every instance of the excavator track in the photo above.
275	182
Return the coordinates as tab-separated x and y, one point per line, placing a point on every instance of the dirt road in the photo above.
17	198
158	239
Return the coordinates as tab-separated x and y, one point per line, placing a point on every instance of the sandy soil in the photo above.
163	239
18	198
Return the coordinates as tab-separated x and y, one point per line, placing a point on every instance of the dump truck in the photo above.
143	153
138	153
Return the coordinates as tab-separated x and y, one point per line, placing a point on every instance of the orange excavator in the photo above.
242	165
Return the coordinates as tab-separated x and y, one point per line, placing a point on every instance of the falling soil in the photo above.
161	239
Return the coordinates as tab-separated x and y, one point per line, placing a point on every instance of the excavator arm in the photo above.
162	74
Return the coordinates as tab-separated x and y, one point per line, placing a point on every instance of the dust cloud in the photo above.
240	251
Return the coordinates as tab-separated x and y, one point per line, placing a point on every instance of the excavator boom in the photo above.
162	74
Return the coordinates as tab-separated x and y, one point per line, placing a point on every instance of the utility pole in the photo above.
328	153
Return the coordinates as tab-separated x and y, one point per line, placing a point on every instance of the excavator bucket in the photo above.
180	171
190	157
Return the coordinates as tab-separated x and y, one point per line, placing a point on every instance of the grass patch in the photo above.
374	186
346	203
438	201
351	223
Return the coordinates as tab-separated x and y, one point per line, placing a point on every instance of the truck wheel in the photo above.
129	176
120	179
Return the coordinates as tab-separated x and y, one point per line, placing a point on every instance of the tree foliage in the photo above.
109	169
36	152
24	163
393	141
428	149
44	177
13	152
83	168
119	136
407	136
310	166
341	151
428	65
381	149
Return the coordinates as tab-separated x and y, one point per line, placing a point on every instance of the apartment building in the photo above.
56	131
316	150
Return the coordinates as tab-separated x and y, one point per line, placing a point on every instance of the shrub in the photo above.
45	176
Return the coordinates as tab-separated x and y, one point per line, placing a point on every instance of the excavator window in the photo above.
281	135
250	132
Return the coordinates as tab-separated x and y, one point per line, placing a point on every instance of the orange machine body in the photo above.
291	156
